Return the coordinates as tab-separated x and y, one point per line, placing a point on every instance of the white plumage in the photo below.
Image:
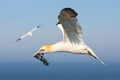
27	34
72	37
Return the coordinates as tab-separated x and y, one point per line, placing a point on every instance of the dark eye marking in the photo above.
42	50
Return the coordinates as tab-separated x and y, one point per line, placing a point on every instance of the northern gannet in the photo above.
28	33
72	37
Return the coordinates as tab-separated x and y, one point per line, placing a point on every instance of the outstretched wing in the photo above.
35	28
28	33
65	38
22	37
71	28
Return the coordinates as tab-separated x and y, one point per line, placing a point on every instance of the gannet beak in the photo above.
37	54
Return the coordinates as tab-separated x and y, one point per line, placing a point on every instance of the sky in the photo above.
100	21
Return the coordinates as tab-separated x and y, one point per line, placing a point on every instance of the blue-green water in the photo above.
59	71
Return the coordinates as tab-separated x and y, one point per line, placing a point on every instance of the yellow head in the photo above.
46	48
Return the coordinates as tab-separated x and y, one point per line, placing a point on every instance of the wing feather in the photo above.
71	26
65	38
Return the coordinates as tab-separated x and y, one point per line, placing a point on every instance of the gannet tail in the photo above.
91	53
100	60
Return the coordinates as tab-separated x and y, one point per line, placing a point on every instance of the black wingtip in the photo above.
58	23
68	11
39	26
18	39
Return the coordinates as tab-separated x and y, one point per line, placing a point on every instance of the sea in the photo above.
59	71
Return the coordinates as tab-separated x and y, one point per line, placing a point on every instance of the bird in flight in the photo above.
28	33
72	37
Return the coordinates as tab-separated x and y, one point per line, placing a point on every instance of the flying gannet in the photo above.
72	37
28	33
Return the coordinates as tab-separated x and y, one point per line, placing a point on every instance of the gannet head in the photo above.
46	48
43	49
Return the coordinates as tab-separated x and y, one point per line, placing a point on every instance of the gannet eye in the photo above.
42	51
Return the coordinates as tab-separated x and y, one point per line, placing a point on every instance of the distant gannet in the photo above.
27	34
72	37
